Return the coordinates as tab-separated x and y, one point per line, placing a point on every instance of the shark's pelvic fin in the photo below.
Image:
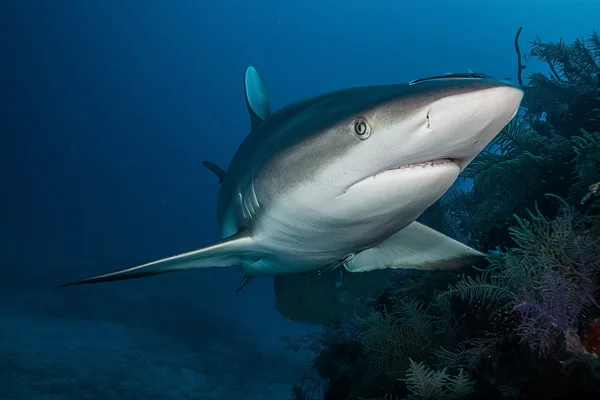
216	169
332	266
243	283
224	253
257	96
415	247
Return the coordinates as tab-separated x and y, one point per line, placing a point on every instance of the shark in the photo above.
338	180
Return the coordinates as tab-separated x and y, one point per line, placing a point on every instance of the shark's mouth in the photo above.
423	164
437	163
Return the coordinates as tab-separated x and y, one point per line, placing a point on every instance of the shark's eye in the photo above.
362	129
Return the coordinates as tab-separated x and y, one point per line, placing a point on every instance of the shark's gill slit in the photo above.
254	197
242	206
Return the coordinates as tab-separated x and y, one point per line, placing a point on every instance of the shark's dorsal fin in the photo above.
415	247
257	96
216	169
224	253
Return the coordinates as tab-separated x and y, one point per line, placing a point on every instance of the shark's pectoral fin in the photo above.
216	169
224	253
257	96
415	247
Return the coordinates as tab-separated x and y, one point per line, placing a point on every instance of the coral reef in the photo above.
525	323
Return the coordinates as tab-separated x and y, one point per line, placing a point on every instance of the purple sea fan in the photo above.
553	307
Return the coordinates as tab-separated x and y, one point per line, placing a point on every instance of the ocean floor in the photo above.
54	357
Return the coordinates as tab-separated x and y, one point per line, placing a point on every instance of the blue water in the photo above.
107	110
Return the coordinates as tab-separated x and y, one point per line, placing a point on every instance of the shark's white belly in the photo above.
299	233
290	235
308	228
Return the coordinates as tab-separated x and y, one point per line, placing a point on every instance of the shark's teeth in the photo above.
424	164
430	163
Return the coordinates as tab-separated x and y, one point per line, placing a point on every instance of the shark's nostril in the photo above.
429	119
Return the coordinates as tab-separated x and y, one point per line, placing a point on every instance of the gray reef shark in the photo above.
338	180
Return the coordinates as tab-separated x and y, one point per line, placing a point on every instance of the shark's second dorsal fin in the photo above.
216	169
257	96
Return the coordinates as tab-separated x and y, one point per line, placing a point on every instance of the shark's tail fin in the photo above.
224	253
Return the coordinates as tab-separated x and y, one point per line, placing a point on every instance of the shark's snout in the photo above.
467	120
434	129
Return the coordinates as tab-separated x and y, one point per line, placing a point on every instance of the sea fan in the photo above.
516	148
586	173
488	288
386	343
473	353
554	308
548	279
414	315
425	383
573	80
411	329
386	397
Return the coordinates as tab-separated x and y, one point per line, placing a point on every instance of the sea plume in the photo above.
549	280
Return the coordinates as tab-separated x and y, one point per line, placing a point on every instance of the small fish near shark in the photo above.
338	180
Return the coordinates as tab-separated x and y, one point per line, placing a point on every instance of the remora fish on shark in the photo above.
340	179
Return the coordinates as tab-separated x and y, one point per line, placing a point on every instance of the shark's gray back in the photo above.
279	153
